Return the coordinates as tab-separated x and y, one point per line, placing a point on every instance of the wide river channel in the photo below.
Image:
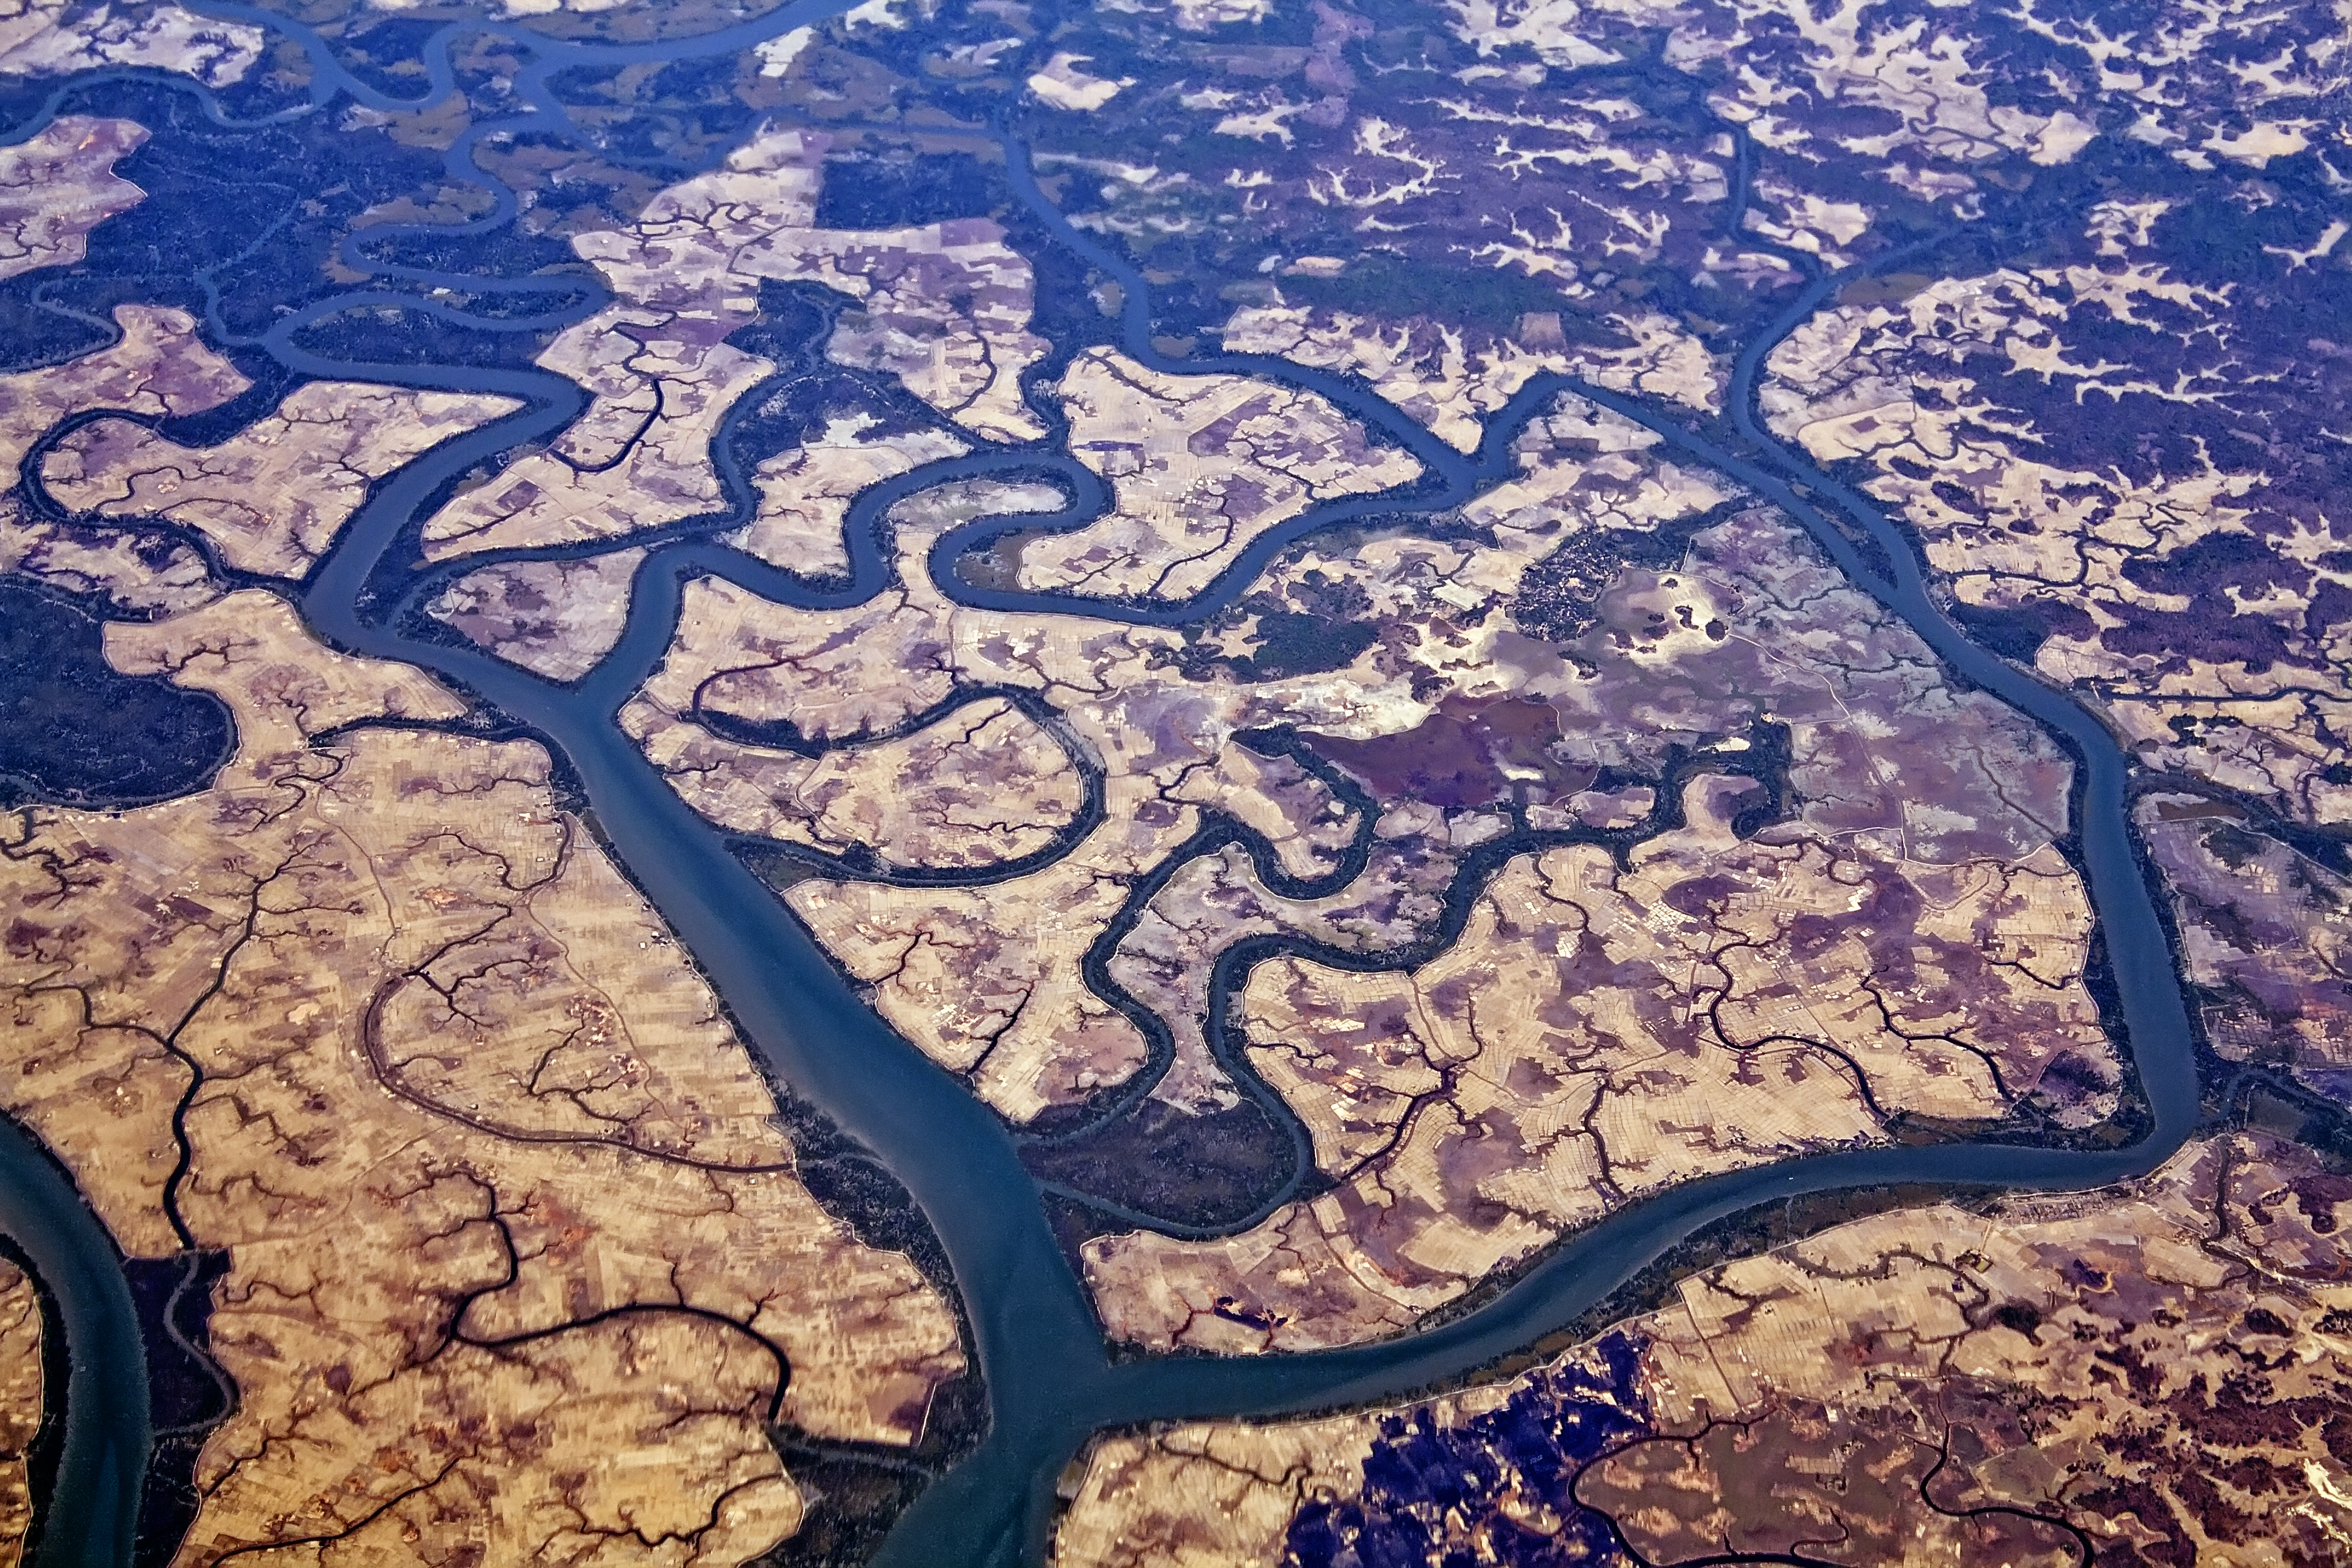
1050	1381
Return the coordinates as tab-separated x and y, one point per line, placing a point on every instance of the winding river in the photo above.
93	1512
1050	1381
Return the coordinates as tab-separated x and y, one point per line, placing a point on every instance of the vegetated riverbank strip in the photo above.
1040	1346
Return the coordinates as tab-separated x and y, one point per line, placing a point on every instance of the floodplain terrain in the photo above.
2126	1373
378	1019
22	1407
1312	606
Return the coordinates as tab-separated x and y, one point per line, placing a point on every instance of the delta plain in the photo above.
1657	686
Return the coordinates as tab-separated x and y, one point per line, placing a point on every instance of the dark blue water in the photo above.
93	1512
1040	1349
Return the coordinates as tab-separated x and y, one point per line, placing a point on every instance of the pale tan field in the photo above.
58	185
518	1258
21	1396
273	497
2160	1365
944	307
